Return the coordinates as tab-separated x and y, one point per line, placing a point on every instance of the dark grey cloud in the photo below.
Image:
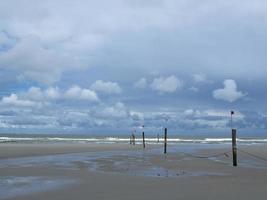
8	113
78	74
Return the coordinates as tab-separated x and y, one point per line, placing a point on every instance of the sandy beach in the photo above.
120	171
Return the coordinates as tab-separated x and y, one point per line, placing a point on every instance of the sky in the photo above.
109	67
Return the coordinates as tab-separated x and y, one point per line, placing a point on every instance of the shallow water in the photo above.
12	186
134	162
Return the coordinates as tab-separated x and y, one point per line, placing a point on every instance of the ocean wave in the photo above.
107	140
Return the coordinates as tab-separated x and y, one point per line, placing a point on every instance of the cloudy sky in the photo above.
107	67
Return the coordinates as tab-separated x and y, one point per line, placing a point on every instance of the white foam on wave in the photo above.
107	140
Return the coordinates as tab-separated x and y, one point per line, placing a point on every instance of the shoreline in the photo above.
26	150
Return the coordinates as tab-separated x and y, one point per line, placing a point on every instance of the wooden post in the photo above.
133	139
234	149
130	139
144	144
165	141
158	137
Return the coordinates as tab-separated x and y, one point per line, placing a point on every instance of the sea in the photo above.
123	139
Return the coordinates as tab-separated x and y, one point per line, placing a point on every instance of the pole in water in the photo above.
143	135
158	137
133	139
134	135
130	139
144	143
234	149
165	141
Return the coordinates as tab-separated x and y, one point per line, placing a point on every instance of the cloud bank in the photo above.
132	62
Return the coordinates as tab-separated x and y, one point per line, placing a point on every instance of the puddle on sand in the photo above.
136	166
155	171
137	163
13	186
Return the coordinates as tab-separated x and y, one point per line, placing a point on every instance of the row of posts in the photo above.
234	147
132	140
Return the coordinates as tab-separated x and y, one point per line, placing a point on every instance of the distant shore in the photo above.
120	171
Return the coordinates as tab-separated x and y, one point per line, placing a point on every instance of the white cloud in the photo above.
223	113
137	116
194	89
65	40
106	87
212	113
193	118
191	112
229	92
52	93
111	112
141	83
200	78
32	60
34	93
35	61
87	94
37	94
169	84
75	92
117	111
15	101
53	37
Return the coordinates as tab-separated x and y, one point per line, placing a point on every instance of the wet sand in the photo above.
117	171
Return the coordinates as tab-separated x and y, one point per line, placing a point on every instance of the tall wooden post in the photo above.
234	149
165	141
133	139
144	143
130	139
158	137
